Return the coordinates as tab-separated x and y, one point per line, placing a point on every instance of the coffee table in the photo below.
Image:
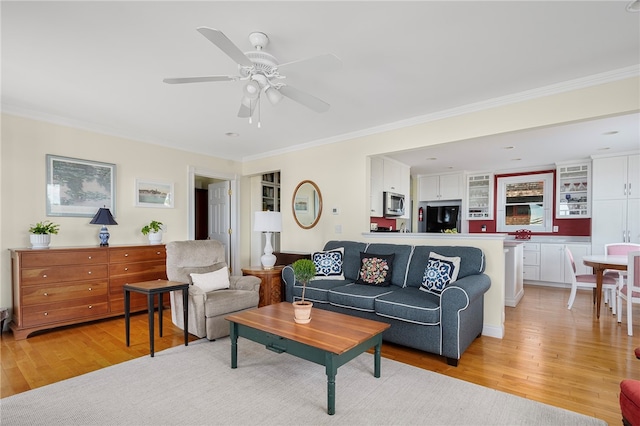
330	339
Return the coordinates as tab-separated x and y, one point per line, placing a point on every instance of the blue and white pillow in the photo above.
329	264
440	272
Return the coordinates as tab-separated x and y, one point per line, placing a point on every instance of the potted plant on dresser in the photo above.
154	231
303	270
41	234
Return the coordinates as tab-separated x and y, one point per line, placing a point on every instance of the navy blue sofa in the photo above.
444	324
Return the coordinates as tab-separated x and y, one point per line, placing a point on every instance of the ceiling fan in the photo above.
262	72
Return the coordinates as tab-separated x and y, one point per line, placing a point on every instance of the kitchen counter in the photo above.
509	240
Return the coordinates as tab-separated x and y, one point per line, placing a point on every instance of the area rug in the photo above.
195	385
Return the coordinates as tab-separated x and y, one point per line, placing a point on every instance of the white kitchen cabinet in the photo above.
615	214
392	176
377	171
531	261
479	197
573	186
553	265
513	274
440	187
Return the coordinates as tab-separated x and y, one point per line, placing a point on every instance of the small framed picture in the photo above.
79	187
302	204
153	193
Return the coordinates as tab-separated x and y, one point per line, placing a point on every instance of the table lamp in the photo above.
268	222
103	217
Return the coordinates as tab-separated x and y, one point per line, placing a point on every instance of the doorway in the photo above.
219	211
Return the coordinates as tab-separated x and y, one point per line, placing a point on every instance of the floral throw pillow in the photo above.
375	269
329	264
440	272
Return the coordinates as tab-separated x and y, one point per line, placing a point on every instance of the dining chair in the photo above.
585	280
630	291
620	249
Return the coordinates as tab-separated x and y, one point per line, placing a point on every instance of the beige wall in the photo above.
24	146
340	170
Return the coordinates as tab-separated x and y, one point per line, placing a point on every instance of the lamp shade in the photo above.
103	217
268	222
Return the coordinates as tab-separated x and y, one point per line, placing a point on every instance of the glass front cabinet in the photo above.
573	191
480	196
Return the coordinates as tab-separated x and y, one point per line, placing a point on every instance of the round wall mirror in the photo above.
307	204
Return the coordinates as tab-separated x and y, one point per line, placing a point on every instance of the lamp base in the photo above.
268	259
104	236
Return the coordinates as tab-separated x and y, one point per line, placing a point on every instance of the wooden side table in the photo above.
271	286
151	288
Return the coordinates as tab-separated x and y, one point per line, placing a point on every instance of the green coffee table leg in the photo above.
376	360
331	383
234	344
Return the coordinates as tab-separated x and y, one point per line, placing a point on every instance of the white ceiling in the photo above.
100	65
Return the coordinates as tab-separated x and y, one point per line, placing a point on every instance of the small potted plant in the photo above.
41	234
303	270
154	231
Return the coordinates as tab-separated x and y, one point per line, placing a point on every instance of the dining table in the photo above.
600	263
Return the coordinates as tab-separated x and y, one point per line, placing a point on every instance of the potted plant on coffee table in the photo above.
41	234
154	231
303	270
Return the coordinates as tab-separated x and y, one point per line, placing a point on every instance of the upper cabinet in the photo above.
440	187
388	176
573	191
618	177
479	197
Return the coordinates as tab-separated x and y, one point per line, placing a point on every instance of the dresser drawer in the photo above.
53	274
49	314
42	294
137	254
38	258
128	268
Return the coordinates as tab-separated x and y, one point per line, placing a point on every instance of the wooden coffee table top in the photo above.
329	331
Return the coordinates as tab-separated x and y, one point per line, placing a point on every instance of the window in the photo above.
525	202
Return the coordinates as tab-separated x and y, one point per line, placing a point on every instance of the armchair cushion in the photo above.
210	281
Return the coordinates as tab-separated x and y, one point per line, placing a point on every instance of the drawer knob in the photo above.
90	289
158	253
89	272
90	306
126	255
90	258
126	269
44	276
46	294
46	313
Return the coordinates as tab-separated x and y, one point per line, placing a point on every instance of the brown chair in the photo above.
207	309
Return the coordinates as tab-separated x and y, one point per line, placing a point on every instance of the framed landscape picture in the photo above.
152	193
79	187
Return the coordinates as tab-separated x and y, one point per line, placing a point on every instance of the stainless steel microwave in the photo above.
393	204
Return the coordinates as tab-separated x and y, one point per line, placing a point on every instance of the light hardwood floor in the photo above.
549	354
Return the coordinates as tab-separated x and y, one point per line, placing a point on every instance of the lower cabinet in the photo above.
57	287
513	275
552	265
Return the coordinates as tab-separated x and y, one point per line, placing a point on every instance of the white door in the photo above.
219	216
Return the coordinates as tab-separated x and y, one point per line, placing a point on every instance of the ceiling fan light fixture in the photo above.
273	95
252	90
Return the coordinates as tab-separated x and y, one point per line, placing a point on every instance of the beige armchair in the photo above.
207	310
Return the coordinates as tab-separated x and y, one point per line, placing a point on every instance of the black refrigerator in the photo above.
437	217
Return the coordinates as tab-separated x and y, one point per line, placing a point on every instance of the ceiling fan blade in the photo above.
305	99
219	39
199	79
326	62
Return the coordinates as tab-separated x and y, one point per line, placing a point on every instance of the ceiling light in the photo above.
634	6
508	147
613	132
431	159
252	90
232	134
273	95
516	159
604	149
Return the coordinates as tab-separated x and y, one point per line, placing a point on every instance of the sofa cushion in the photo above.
471	261
375	269
317	290
223	302
351	259
357	296
329	263
403	254
411	305
439	272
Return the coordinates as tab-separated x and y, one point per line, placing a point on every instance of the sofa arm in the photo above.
462	313
245	282
288	279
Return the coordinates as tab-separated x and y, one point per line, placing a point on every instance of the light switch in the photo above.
338	229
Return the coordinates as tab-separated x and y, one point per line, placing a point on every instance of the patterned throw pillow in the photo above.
440	272
329	264
375	269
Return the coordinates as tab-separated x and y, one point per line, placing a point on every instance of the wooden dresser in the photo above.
62	286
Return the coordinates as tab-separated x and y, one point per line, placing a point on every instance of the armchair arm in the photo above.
245	282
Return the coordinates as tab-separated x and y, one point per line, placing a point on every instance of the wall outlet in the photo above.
335	210
555	229
338	229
